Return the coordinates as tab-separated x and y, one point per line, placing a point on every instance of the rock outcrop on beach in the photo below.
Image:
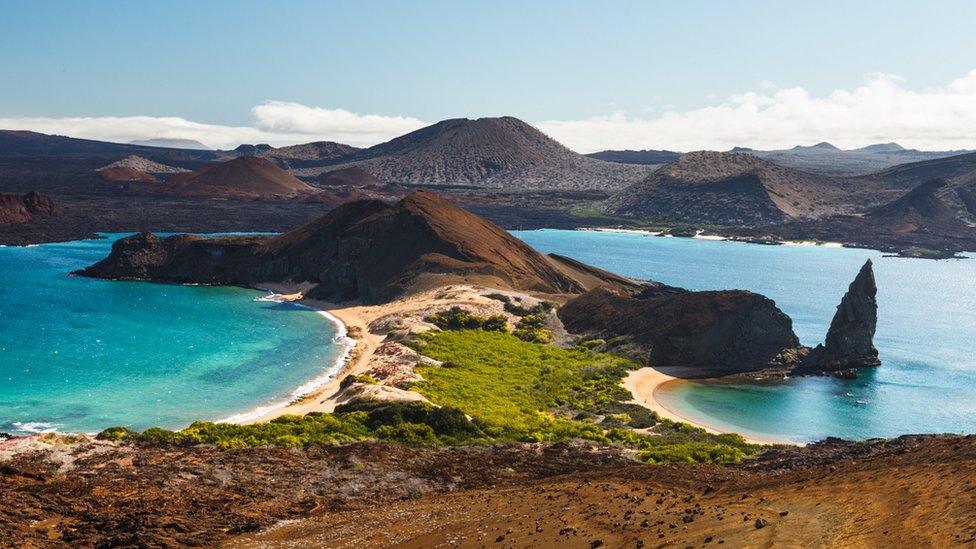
246	176
22	208
711	332
365	249
850	340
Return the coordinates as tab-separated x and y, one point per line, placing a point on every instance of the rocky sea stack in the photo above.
850	340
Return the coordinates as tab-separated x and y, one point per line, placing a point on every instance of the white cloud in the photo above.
881	109
342	125
277	123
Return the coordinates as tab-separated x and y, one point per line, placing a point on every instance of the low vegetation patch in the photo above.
409	423
517	390
457	318
492	386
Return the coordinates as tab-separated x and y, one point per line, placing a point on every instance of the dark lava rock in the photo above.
714	332
21	208
850	339
761	523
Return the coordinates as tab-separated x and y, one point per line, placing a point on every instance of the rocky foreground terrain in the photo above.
913	491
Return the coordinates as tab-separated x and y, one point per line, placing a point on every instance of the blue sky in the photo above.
213	62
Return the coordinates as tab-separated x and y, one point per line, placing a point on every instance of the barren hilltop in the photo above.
502	153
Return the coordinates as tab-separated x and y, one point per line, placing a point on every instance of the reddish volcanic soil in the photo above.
244	176
21	208
908	492
354	177
124	173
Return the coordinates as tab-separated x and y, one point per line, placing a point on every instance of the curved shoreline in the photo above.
644	384
313	385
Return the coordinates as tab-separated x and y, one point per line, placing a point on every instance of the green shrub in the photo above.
455	318
155	434
701	452
495	323
117	434
409	434
514	390
592	343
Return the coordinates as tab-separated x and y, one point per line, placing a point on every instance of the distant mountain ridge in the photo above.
826	158
503	153
168	143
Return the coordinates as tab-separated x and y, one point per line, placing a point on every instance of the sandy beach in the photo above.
357	320
643	385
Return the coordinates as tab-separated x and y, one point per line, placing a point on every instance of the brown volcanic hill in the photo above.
349	177
124	173
365	249
909	176
503	153
941	209
736	189
21	208
246	149
244	176
144	165
318	150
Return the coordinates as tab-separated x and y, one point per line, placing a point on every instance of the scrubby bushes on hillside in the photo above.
457	318
411	423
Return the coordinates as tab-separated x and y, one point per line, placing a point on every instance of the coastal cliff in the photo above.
715	332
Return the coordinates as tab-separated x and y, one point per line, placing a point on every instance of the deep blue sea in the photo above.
78	354
926	333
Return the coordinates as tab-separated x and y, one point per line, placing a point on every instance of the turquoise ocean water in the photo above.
78	354
926	333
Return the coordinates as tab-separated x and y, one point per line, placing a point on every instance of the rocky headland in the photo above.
719	333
